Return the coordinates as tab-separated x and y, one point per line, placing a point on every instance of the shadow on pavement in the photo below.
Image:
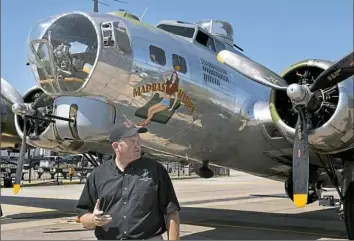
221	224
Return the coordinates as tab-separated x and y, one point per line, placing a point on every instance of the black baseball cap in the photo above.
125	129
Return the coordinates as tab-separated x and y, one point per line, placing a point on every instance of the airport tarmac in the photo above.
237	207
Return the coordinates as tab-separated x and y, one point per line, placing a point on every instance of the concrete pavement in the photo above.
238	207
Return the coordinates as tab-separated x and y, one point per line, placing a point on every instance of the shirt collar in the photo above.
132	165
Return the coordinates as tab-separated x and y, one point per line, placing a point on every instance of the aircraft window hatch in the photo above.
157	55
178	30
122	38
179	61
205	40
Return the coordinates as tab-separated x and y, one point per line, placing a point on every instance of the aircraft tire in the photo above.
8	182
205	172
349	211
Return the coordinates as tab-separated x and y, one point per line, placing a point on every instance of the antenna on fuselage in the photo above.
238	47
141	18
96	2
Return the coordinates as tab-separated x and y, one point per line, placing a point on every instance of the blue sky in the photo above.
275	33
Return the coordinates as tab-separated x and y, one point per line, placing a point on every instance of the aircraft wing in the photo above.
10	140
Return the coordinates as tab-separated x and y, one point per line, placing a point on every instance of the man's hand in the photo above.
173	226
98	218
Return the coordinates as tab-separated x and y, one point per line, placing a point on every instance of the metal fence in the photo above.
43	175
70	172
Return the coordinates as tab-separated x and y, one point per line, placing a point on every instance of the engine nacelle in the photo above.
332	123
93	120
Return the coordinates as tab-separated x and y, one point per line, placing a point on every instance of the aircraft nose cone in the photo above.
62	51
296	92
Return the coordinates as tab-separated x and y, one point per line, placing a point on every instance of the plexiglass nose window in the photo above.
64	56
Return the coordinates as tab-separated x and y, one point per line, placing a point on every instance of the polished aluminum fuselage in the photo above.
228	124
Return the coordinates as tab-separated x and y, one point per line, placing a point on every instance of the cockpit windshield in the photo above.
178	30
62	52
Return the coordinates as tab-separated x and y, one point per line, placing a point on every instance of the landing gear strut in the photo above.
90	158
345	206
348	181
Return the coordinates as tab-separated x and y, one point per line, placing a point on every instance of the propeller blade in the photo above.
252	70
300	160
21	160
336	73
9	93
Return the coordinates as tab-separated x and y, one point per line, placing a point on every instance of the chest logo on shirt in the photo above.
145	176
166	97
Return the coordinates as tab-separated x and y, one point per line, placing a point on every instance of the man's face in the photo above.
130	148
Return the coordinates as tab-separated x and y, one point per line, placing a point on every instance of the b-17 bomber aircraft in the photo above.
200	97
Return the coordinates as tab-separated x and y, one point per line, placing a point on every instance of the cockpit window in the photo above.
219	45
122	38
205	40
178	30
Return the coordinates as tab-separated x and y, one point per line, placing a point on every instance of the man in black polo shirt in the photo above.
129	196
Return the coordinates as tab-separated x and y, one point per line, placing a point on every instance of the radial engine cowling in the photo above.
36	128
91	118
331	127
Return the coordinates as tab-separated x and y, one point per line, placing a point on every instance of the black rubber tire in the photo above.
8	182
349	211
